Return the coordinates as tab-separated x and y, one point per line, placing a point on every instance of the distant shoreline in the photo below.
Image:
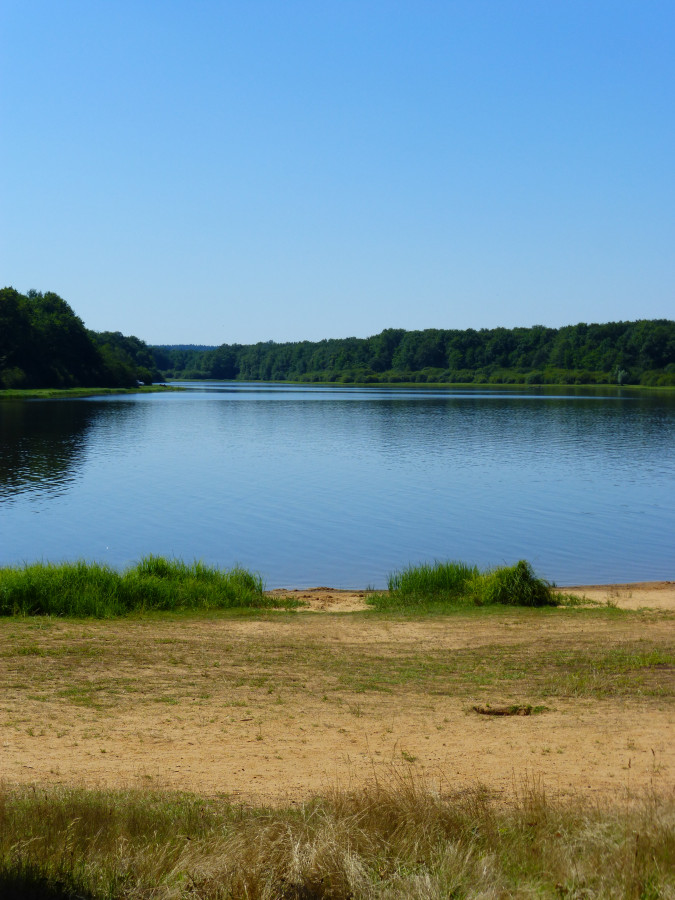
175	385
68	393
438	385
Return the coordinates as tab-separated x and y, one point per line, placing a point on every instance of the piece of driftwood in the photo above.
503	710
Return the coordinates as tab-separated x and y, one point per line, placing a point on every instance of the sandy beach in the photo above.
281	706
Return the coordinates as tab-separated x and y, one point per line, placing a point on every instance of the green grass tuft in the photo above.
513	586
456	584
438	581
84	589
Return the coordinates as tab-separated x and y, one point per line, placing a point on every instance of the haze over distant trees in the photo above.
641	352
43	344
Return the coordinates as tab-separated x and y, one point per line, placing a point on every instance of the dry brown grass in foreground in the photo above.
391	838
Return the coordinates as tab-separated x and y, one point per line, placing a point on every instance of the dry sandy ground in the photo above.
640	595
279	707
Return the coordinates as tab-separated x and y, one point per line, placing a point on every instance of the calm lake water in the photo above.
338	487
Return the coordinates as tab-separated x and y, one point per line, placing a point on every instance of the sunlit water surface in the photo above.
341	486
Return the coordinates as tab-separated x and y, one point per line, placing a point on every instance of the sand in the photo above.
640	595
277	708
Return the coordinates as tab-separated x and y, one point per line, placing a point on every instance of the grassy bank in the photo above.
92	589
155	583
69	393
397	838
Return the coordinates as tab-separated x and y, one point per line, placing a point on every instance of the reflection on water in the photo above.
42	446
341	486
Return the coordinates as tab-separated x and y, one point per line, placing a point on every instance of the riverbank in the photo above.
609	389
70	393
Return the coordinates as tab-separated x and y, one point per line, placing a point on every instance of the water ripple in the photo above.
342	486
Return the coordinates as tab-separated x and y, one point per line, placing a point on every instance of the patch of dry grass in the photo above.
394	838
109	665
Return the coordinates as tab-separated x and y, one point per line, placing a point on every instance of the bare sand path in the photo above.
281	706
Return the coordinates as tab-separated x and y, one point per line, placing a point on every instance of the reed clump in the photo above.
446	580
155	583
397	838
513	586
459	584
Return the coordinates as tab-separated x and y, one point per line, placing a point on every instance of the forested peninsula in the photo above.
43	344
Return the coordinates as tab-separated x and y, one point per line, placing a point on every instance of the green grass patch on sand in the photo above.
428	586
83	589
393	838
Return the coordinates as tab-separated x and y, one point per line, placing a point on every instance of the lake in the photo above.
340	486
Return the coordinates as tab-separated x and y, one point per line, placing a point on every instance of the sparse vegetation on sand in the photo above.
273	709
155	583
459	584
394	838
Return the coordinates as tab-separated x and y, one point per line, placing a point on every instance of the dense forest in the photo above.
641	352
43	344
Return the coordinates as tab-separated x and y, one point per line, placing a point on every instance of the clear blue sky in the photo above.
209	172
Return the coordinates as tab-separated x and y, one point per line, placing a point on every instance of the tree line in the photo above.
641	352
43	344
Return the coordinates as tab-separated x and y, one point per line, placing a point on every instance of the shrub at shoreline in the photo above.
83	589
458	584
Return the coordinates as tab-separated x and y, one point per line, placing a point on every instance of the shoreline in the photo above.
636	595
76	393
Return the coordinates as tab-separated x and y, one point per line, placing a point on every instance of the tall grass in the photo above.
441	580
459	584
513	586
155	583
390	839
